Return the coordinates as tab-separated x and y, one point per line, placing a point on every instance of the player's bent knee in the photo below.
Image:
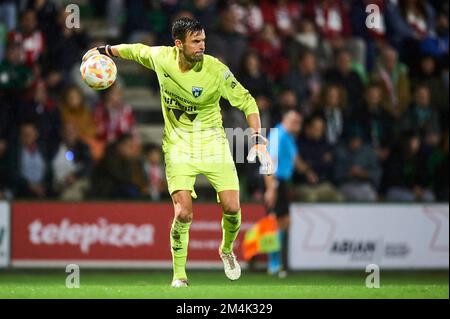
184	215
182	204
231	209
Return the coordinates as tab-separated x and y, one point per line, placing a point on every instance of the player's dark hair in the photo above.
181	27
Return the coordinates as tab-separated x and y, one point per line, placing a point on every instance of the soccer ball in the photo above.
98	72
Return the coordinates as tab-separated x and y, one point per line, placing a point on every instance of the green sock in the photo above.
179	240
231	223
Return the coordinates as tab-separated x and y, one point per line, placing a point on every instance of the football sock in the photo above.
231	223
179	241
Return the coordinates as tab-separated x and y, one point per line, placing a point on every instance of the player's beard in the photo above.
193	58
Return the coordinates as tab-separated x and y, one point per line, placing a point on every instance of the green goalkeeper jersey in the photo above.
190	100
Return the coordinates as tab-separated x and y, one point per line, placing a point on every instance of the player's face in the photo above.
193	47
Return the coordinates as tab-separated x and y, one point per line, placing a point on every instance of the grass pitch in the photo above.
214	285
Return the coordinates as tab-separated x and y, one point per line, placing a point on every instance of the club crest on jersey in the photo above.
197	91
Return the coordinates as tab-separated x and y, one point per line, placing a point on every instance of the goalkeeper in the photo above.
194	140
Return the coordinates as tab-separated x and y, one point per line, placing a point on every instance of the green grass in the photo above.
212	285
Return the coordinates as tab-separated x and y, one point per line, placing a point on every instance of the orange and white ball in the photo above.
98	72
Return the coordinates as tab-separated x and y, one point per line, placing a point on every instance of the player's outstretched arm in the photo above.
138	52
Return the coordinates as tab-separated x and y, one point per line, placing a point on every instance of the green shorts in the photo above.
208	154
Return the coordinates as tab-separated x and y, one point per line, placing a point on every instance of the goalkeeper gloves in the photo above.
104	49
260	150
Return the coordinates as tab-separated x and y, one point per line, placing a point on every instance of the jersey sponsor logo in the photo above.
181	99
233	84
197	91
172	103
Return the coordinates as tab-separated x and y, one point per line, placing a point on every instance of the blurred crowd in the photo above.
373	97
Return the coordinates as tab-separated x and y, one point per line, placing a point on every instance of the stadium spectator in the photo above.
429	74
248	13
395	78
15	76
27	164
76	113
316	186
357	171
282	14
376	123
71	166
422	116
333	22
204	10
15	79
305	80
252	78
113	117
47	15
30	38
332	106
64	53
269	45
252	75
113	176
409	22
44	112
287	101
437	44
375	37
154	172
406	177
306	38
225	37
343	75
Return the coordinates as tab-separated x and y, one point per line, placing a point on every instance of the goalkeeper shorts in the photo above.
209	156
